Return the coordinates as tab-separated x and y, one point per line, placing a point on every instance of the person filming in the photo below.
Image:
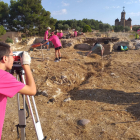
9	85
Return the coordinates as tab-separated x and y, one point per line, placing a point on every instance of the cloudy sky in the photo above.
105	10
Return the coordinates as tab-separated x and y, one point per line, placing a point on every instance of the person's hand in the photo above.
41	44
25	59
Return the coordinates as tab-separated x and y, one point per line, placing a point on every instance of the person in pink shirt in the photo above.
75	33
57	44
9	85
60	34
46	38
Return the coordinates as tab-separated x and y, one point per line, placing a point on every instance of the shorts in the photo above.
97	46
44	42
58	48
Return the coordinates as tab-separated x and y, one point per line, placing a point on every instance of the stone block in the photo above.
108	48
82	47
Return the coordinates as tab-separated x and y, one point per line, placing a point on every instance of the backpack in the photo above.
122	48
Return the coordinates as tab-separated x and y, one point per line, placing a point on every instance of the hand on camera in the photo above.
25	59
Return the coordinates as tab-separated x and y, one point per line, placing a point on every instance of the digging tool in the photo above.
42	53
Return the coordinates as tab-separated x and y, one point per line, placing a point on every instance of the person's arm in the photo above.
44	42
89	53
30	87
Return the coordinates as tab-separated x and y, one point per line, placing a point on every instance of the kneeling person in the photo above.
95	46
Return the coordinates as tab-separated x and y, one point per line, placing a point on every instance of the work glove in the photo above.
25	59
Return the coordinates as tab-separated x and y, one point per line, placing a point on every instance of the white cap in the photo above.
49	28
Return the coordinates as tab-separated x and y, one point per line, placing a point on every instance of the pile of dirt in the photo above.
105	91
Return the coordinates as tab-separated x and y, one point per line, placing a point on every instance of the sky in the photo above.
102	10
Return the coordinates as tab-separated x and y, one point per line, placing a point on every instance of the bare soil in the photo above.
105	91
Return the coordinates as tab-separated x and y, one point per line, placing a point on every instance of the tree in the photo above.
118	28
65	27
4	13
29	15
127	28
2	31
87	28
135	28
60	26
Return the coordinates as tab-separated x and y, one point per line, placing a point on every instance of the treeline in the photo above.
77	24
27	16
80	25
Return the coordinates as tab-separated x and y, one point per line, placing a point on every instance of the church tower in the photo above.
123	22
123	17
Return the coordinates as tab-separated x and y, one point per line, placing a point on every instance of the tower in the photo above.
123	17
123	22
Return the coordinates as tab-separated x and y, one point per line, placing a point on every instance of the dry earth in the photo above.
105	91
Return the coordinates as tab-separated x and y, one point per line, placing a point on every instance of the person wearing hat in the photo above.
46	37
60	34
57	44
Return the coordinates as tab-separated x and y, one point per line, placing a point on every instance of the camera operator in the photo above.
9	85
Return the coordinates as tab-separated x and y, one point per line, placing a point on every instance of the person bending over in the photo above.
9	86
95	46
57	44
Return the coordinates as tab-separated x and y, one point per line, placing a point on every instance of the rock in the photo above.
52	100
83	122
68	99
112	74
38	40
33	70
63	76
108	48
44	93
82	47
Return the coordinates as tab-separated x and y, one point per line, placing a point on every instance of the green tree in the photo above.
135	28
127	28
4	13
29	15
60	26
87	28
65	27
2	31
118	28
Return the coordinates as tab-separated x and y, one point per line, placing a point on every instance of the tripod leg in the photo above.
22	117
37	123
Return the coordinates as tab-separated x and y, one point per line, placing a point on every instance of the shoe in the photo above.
56	60
48	49
59	58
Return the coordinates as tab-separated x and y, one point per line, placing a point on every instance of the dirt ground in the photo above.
105	91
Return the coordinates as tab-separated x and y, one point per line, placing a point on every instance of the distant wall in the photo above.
13	35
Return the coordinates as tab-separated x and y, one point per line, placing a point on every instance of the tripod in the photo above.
22	112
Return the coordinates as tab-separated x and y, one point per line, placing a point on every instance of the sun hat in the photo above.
49	28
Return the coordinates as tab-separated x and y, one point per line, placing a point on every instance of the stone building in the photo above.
123	22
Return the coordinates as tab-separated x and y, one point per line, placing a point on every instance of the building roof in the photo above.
117	19
129	19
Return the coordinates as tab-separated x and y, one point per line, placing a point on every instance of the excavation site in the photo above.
83	97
